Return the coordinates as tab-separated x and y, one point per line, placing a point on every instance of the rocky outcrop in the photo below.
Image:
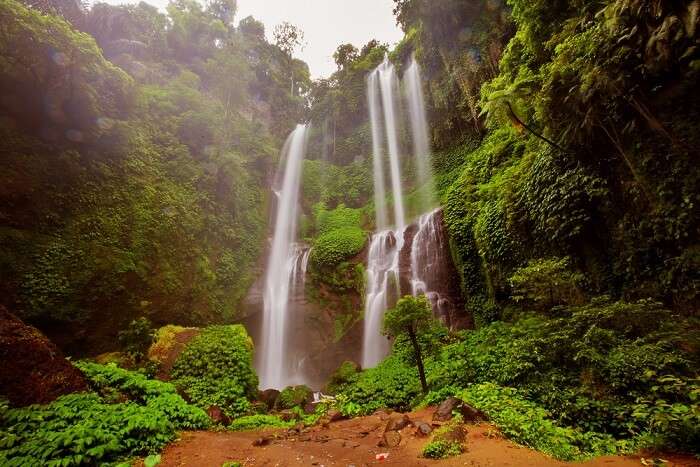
450	405
34	370
426	243
168	344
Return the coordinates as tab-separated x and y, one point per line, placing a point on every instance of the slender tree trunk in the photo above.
419	359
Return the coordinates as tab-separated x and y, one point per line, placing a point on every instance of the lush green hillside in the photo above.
135	185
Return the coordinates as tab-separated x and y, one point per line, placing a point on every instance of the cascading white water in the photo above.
389	85
377	151
429	257
419	131
282	266
382	273
383	257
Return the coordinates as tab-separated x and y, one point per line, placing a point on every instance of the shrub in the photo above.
546	283
527	423
216	368
345	374
137	338
334	247
85	429
253	422
293	396
442	449
391	384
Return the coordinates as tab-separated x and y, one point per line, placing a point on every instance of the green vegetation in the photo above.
409	317
132	416
441	449
294	396
216	369
254	422
578	382
154	151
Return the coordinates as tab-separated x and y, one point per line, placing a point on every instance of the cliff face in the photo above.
34	371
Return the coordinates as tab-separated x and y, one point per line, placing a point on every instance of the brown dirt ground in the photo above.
354	443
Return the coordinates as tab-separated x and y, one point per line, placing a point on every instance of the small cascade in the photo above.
286	259
431	265
382	291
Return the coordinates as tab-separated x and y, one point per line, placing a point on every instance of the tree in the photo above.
224	10
410	316
344	55
288	37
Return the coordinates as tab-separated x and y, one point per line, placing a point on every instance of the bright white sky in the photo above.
326	24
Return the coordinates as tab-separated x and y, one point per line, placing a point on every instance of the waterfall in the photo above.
383	287
284	263
382	273
377	152
419	130
430	264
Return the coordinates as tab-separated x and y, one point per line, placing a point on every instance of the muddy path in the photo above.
354	443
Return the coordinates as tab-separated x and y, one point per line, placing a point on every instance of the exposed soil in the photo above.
354	443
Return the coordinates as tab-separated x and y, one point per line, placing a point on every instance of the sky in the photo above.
326	24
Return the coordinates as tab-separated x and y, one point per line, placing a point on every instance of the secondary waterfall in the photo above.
413	90
383	259
391	249
286	259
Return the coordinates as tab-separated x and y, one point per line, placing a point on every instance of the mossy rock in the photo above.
168	343
294	396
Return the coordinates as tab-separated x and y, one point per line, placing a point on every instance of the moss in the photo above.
164	340
294	396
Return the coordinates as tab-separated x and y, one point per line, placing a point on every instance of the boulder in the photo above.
471	414
390	439
218	416
445	409
398	423
34	370
423	429
269	397
452	404
168	343
451	434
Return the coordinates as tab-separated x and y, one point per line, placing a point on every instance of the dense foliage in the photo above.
216	369
572	383
134	160
131	416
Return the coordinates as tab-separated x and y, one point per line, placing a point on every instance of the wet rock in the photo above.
218	416
269	397
445	409
423	429
398	423
390	439
34	370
